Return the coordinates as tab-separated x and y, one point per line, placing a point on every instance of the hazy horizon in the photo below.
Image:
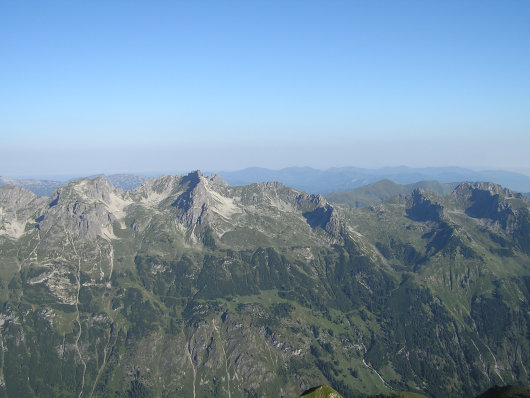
156	173
123	87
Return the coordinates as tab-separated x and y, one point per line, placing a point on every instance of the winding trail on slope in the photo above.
34	251
188	353
378	375
375	371
495	362
111	263
100	370
224	353
2	350
521	360
77	318
496	367
481	359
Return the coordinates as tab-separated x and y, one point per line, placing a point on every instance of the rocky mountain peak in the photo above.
86	208
327	218
422	208
167	184
216	179
16	207
13	198
193	177
98	188
501	209
192	205
199	195
466	190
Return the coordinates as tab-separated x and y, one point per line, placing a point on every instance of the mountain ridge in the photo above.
316	181
186	285
346	178
384	189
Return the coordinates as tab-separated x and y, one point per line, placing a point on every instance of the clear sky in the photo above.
138	86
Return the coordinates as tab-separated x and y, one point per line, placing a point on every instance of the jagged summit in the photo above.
499	208
97	188
192	206
466	189
12	197
17	206
86	208
195	202
423	207
216	179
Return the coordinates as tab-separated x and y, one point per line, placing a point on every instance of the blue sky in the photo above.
136	86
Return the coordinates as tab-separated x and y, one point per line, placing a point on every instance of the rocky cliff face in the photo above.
16	209
424	209
186	286
86	208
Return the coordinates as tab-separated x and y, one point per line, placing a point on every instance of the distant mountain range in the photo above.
342	179
317	181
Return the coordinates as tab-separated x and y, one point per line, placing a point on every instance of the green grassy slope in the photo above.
377	192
